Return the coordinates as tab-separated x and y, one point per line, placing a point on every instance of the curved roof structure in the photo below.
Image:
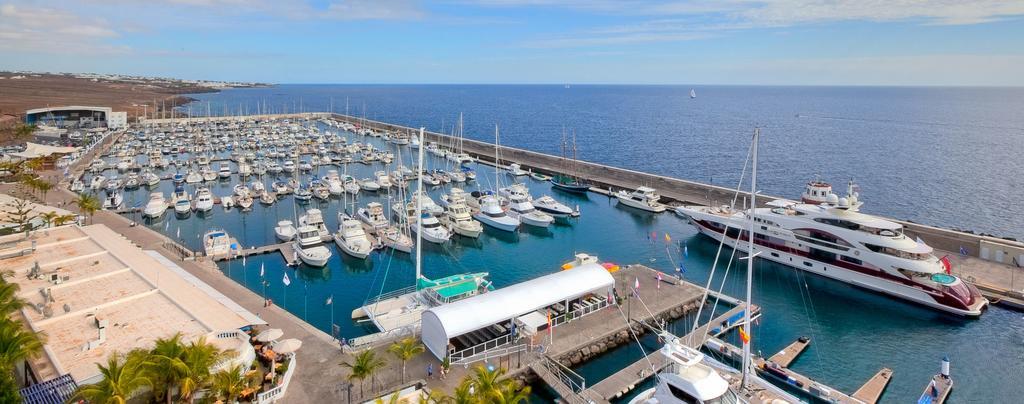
68	108
439	324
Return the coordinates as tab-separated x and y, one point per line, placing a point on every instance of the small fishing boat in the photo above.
493	215
373	216
285	230
183	207
217	243
204	200
156	206
309	247
549	205
113	200
516	170
432	230
644	198
351	238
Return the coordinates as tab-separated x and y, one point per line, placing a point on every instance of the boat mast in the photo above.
750	259
419	208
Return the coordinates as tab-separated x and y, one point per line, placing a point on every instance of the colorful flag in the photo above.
744	336
286	280
946	264
659	279
636	287
667	238
330	299
686	251
963	251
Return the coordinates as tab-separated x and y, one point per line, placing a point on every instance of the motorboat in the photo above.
288	167
244	201
396	239
113	201
274	168
492	214
303	194
519	207
516	170
150	179
373	215
244	169
309	247
687	379
193	177
549	205
178	178
267	198
334	184
77	186
370	185
281	188
285	230
432	229
97	183
204	200
314	217
351	237
225	171
383	179
258	188
319	190
305	166
112	184
352	186
827	235
459	218
644	198
132	181
217	243
426	203
208	174
182	207
227	202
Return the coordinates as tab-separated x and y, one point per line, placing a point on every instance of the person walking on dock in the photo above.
430	371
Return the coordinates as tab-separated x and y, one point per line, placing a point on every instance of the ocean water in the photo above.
951	157
854	332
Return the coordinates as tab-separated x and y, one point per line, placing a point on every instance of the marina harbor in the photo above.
279	202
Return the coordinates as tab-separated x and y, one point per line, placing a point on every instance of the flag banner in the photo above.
286	280
330	299
659	279
636	287
963	251
686	251
744	336
667	238
262	269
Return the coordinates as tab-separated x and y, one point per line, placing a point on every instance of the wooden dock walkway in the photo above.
871	391
805	384
286	250
787	355
937	390
628	377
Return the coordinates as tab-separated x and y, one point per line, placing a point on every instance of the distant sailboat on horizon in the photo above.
693	94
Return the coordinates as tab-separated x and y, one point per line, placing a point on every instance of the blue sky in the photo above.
803	42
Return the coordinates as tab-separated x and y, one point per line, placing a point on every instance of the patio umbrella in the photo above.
269	335
287	346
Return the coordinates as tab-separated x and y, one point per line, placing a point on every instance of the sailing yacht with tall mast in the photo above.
569	179
401	309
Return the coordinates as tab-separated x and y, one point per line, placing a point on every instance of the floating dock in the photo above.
868	394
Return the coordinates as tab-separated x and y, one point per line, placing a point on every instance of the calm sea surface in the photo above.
950	157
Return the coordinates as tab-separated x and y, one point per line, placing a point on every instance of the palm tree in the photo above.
199	356
487	382
463	393
364	365
49	217
44	187
164	366
17	344
230	383
122	380
512	393
405	350
63	219
88	204
9	300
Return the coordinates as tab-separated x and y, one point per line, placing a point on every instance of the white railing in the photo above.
467	353
276	393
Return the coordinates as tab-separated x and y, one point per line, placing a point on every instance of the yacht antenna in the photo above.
419	209
750	260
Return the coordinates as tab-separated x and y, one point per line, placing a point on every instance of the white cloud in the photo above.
41	29
375	10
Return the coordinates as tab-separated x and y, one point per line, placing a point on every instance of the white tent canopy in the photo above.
442	323
35	150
